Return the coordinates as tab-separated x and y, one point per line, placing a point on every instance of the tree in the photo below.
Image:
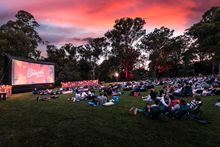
84	68
125	34
107	69
92	52
19	37
157	44
206	34
176	48
65	59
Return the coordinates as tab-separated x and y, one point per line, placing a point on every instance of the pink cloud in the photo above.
86	17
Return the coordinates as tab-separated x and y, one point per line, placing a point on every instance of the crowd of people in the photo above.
47	91
170	99
175	108
166	96
187	86
48	94
106	96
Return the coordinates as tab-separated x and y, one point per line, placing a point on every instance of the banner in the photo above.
24	73
79	83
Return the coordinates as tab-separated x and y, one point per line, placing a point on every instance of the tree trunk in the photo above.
93	70
218	67
213	68
154	72
93	73
126	72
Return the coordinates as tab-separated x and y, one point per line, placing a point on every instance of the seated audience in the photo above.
43	98
187	90
195	104
166	101
101	99
84	95
35	91
179	109
150	111
76	98
152	96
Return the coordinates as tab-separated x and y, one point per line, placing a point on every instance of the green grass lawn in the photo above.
26	122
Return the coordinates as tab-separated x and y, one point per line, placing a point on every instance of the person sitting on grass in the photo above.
114	100
178	92
151	97
84	95
150	111
194	110
76	98
54	96
195	104
91	94
186	90
166	102
49	91
115	92
154	110
135	89
180	109
101	99
174	102
45	98
35	91
94	102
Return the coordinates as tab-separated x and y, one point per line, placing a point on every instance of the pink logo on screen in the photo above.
31	72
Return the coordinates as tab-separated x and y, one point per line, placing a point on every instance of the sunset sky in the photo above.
64	21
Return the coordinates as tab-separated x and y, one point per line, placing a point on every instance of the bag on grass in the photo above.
115	99
92	104
108	104
217	104
136	93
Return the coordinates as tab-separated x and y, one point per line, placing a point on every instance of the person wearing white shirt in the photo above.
166	101
83	95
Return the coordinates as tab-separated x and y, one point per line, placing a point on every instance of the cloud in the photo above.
74	20
198	8
5	14
55	34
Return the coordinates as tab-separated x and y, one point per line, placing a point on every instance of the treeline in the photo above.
124	49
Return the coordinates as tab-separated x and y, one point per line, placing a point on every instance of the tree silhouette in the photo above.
156	44
125	34
206	34
92	52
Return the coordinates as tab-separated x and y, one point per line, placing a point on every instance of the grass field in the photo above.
26	122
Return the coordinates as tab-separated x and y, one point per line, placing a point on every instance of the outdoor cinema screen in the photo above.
26	73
